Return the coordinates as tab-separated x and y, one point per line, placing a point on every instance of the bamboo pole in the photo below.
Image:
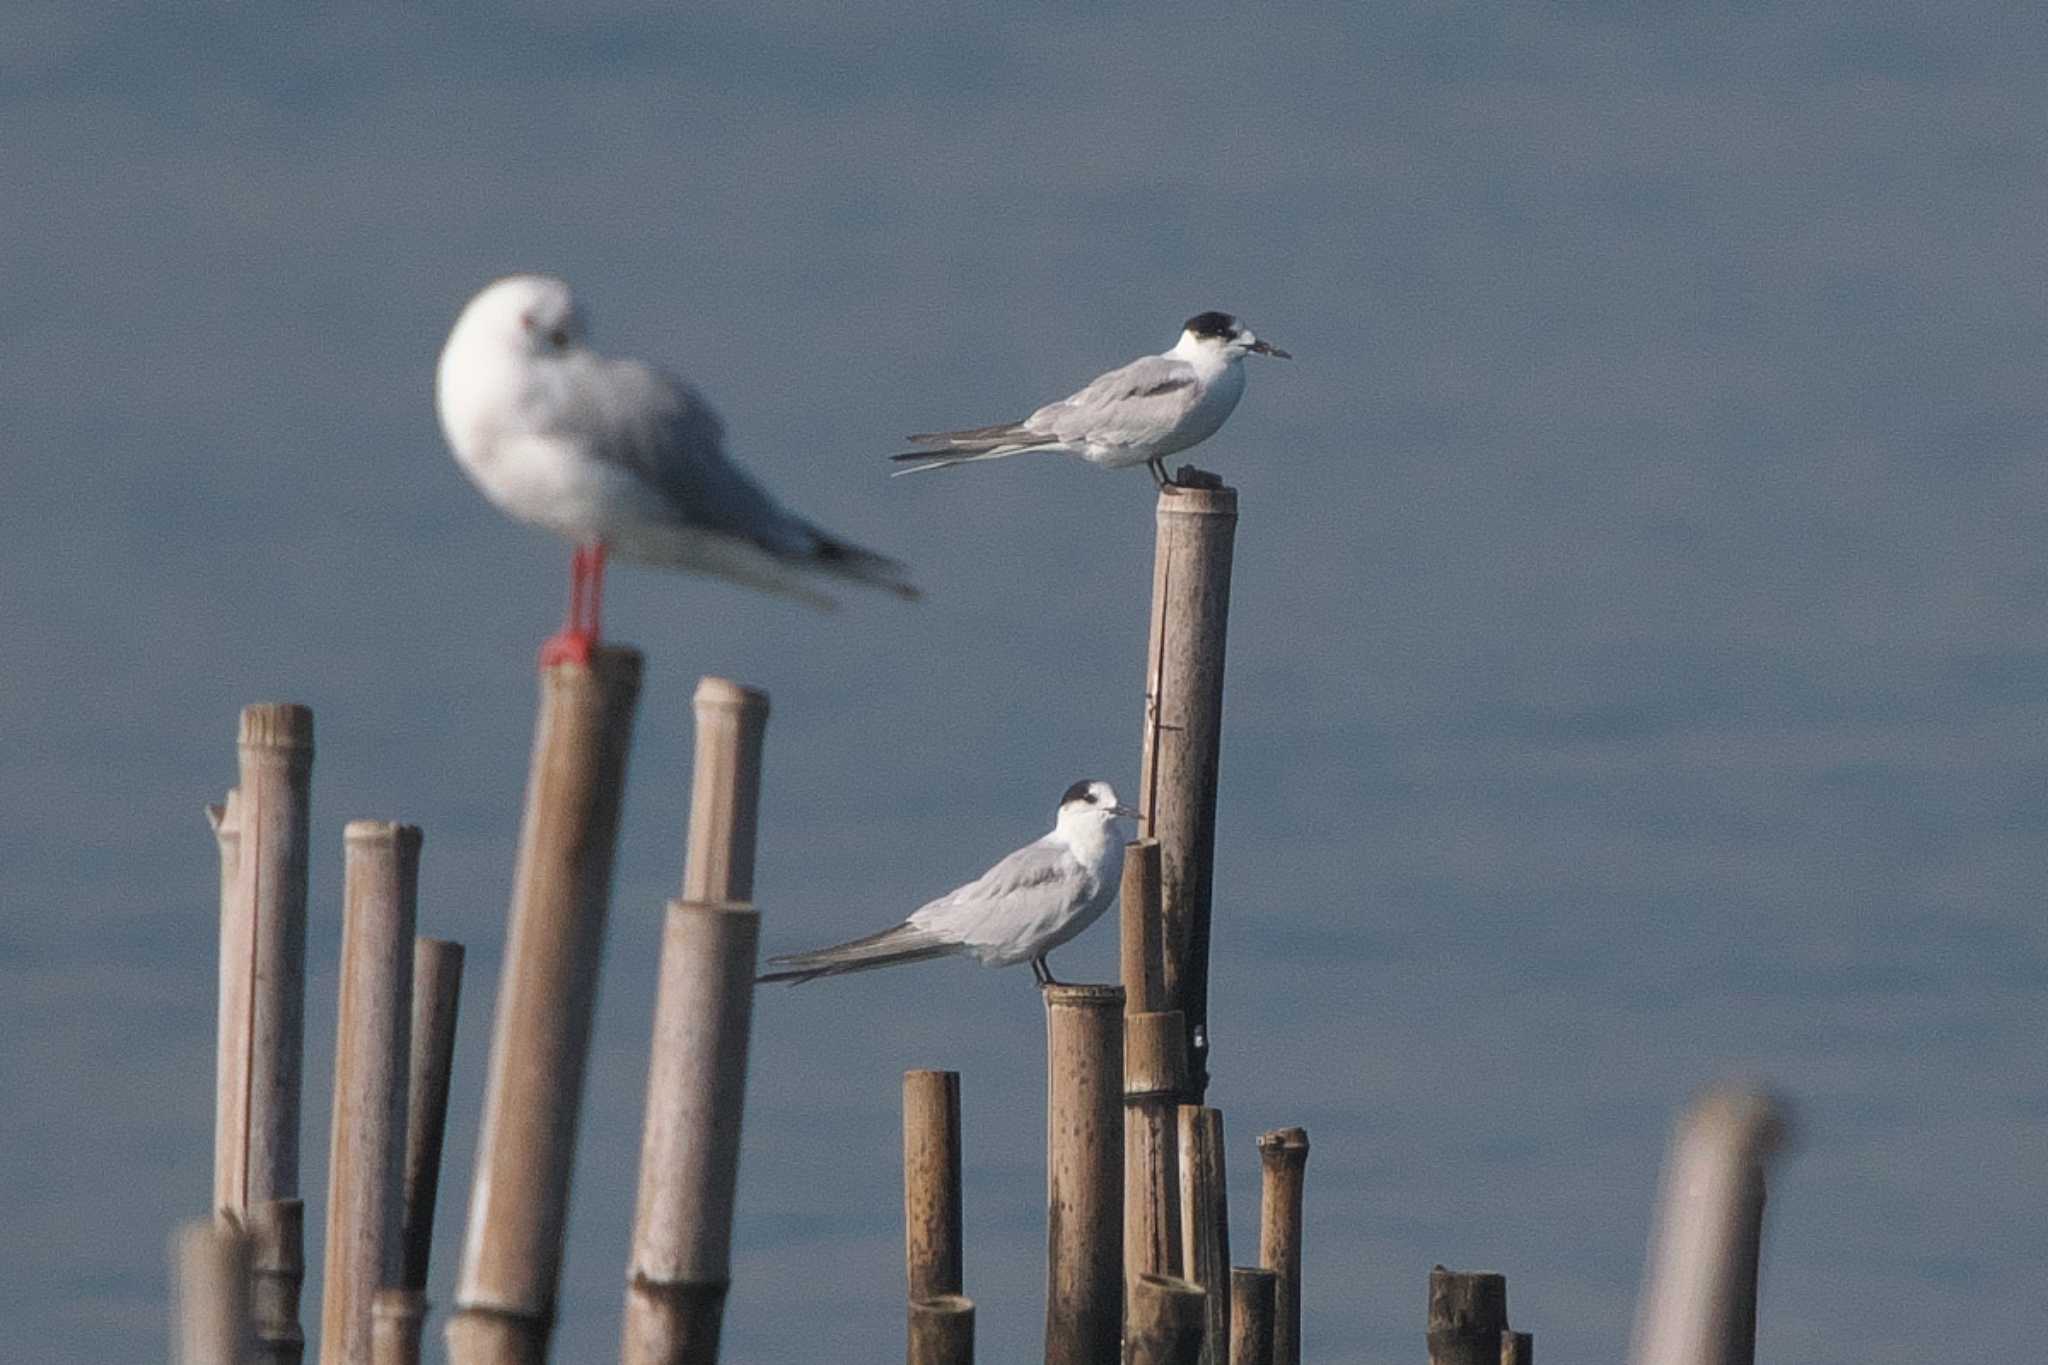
941	1331
1468	1314
1183	738
372	1051
1155	1076
1205	1223
396	1317
690	1150
436	1000
1251	1315
1693	1300
540	1039
1283	1158
931	1184
231	1023
725	792
210	1294
1142	954
1749	1234
1084	1138
1167	1315
277	1273
1517	1348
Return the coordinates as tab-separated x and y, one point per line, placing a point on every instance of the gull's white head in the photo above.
1223	336
1091	803
528	315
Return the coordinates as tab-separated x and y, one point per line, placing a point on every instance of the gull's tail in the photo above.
904	943
973	444
841	560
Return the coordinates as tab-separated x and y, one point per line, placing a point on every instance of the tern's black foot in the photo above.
1044	974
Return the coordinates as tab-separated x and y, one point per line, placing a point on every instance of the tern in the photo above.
619	457
1018	911
1138	414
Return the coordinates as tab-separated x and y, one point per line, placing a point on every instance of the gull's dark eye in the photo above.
558	338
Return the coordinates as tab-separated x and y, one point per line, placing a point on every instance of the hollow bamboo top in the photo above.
380	831
1283	1141
276	725
612	665
724	692
945	1305
1194	500
1076	995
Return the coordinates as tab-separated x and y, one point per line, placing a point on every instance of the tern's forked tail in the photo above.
904	943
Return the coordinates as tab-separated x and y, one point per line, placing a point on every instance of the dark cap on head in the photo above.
1079	792
1212	324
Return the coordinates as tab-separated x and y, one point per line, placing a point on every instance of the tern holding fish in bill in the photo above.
618	457
1018	911
1140	413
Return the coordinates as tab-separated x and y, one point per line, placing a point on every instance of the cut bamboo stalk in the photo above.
941	1330
396	1317
272	807
725	792
690	1148
436	1000
231	1023
1142	956
1468	1313
210	1294
1692	1298
1183	738
277	1274
1517	1348
1283	1159
1155	1076
931	1184
1084	1141
540	1040
1251	1315
1167	1316
372	1052
1749	1235
1205	1223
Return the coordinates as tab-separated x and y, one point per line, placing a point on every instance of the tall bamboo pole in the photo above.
1084	1205
372	1051
1749	1235
1693	1299
1205	1223
941	1331
231	1024
1142	952
725	792
540	1039
690	1151
1155	1076
1183	738
1167	1316
1468	1313
1251	1315
210	1294
396	1316
436	1001
1283	1159
931	1184
277	1272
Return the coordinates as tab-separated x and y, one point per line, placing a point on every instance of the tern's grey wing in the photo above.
1012	904
1128	406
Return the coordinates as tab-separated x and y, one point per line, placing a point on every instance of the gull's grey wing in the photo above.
1013	903
1128	406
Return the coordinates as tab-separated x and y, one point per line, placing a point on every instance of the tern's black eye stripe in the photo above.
1212	324
1164	386
1077	792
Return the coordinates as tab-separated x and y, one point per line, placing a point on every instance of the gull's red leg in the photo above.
594	588
573	642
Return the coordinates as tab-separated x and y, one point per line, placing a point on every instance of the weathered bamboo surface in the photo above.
725	792
1155	1077
277	1274
1084	1173
1283	1160
1251	1315
396	1319
1143	954
1183	738
1468	1313
519	1198
932	1253
210	1294
690	1145
1166	1323
436	1002
1205	1223
941	1331
231	1022
372	1053
1517	1348
1695	1308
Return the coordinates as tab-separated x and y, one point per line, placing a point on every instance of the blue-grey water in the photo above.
1639	652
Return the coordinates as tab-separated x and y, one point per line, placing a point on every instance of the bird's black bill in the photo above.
1268	348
